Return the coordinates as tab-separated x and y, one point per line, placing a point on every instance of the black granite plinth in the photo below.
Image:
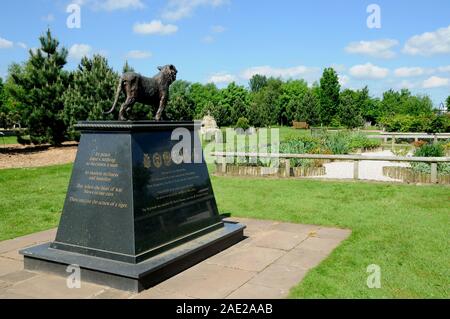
134	213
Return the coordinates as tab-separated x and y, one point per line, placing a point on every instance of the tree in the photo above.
350	107
202	95
90	93
180	105
41	83
233	100
127	68
257	82
292	92
448	104
329	95
265	109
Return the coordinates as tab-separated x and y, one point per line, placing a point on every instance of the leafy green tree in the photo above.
202	95
329	95
41	83
306	108
180	105
257	82
90	93
233	100
448	103
265	108
292	92
350	108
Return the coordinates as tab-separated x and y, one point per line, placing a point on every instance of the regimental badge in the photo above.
157	160
147	161
167	158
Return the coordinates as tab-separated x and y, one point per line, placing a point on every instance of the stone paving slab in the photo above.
272	259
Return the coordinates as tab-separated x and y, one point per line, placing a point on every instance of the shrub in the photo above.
361	141
338	143
430	150
243	123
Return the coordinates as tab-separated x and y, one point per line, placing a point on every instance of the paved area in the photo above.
272	259
368	170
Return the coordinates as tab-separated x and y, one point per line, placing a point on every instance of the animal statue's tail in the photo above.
116	99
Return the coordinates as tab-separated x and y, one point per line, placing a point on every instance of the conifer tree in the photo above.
44	81
90	93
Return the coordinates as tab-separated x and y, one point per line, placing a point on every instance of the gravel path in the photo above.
369	170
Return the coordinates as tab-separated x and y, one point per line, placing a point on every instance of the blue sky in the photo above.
229	40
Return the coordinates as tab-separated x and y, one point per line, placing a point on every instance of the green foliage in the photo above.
203	96
264	107
180	106
257	82
39	86
349	109
243	123
420	123
361	141
329	95
404	102
430	150
448	103
90	93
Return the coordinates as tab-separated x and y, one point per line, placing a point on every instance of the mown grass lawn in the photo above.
8	140
402	228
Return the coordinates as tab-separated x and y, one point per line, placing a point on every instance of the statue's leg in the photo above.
125	108
162	105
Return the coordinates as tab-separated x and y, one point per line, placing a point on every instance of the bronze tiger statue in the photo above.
149	91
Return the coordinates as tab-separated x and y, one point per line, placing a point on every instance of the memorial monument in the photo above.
140	207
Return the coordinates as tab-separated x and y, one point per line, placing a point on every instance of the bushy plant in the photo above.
338	143
430	150
243	123
361	141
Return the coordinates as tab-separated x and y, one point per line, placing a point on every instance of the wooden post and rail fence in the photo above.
285	158
416	136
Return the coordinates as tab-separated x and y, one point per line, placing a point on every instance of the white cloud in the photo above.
208	39
137	54
429	43
178	9
406	84
344	79
218	29
21	45
435	82
378	49
222	78
78	51
286	73
5	44
444	69
111	5
409	72
155	27
369	71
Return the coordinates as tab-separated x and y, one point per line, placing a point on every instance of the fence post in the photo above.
356	169
224	165
287	167
434	178
393	143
